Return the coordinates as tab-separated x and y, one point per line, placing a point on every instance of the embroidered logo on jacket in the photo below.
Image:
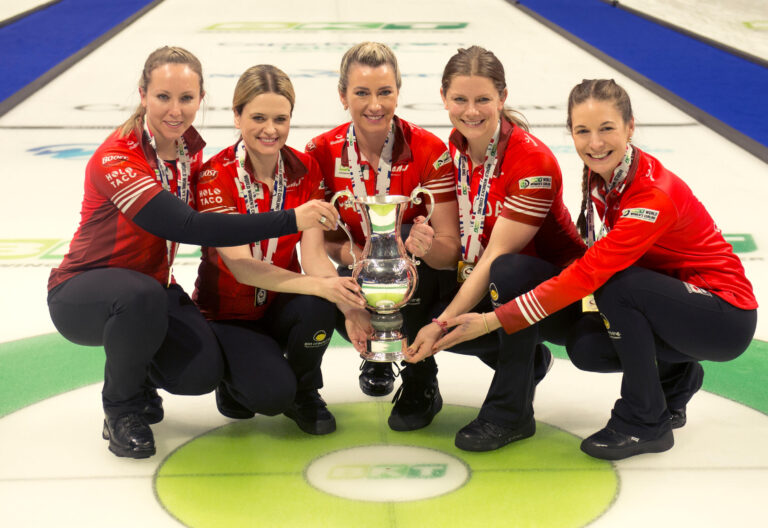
344	172
114	159
442	160
207	176
536	182
640	213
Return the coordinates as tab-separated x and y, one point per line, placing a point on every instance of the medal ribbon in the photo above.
383	171
473	216
165	175
617	183
248	194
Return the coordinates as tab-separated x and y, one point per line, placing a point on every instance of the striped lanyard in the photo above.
617	183
383	171
249	194
165	175
473	215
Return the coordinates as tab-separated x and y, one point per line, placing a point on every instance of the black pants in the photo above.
509	401
151	335
270	359
656	330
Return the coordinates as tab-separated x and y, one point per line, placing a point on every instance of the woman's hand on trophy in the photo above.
357	321
341	290
316	213
466	327
424	344
421	237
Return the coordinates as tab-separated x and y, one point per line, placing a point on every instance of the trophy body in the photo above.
385	273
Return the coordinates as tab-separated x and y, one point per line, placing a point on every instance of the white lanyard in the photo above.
164	175
383	171
473	218
248	194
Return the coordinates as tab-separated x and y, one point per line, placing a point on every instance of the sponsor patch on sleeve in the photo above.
207	176
536	182
641	213
114	159
444	159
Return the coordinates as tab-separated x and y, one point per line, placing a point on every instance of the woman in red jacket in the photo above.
378	153
274	322
668	287
513	219
115	286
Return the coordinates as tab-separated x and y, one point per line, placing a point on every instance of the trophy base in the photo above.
386	350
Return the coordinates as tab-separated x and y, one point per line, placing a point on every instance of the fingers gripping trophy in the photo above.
386	274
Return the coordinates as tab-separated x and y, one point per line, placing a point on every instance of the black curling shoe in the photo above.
376	378
678	418
610	444
311	414
129	435
153	409
417	401
229	406
482	435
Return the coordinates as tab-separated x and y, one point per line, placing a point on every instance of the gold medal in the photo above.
588	304
463	270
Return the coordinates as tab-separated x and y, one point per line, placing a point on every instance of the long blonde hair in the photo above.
480	62
160	57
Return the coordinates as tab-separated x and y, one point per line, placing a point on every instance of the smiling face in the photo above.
171	101
474	107
600	135
264	124
371	97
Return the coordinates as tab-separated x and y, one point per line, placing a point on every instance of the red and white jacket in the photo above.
653	221
119	180
418	158
218	294
526	187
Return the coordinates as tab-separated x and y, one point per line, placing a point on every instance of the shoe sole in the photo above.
370	392
664	443
126	452
235	415
521	434
323	428
397	423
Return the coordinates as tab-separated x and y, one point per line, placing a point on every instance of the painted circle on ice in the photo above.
255	471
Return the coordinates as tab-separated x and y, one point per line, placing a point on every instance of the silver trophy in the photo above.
385	273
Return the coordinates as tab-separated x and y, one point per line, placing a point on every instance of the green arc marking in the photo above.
41	367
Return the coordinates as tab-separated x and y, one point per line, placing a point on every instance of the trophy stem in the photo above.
388	343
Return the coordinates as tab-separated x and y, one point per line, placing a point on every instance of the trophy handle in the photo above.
350	196
416	200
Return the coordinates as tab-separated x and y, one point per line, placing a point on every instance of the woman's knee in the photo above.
270	397
513	274
620	286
